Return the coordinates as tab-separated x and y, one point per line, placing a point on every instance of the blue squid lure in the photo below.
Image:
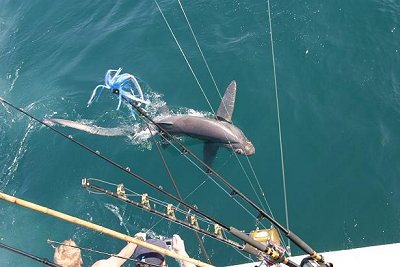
125	86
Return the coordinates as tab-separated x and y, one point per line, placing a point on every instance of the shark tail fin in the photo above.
93	129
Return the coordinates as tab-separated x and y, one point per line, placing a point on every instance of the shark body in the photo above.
215	132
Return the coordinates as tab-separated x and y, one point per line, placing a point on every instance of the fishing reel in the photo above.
310	262
277	255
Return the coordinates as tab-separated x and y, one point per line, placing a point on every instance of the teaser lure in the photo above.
124	85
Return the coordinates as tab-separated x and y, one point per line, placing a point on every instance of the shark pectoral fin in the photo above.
225	109
93	129
209	153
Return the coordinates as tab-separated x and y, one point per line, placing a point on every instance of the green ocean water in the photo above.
338	77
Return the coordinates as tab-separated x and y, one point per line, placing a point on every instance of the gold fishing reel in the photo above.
266	235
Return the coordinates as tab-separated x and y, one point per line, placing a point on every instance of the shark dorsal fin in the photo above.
227	105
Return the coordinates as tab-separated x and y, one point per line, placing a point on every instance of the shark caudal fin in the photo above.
225	109
93	129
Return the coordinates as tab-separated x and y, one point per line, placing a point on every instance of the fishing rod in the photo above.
98	228
125	169
253	243
28	255
292	236
271	252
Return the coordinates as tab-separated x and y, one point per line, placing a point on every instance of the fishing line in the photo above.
238	251
278	119
235	191
201	184
126	170
269	208
240	235
134	194
184	56
209	177
155	200
189	225
260	188
95	193
257	219
251	183
152	199
201	51
186	149
212	77
180	48
292	236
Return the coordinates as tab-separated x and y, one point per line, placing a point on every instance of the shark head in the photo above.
242	145
224	113
246	148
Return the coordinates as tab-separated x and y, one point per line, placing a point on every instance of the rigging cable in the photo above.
212	77
279	120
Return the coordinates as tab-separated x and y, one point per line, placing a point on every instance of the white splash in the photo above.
14	77
115	210
13	167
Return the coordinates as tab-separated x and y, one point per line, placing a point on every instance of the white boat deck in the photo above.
382	255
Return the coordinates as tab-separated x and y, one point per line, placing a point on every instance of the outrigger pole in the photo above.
98	228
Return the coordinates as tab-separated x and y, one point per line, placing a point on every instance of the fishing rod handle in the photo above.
303	245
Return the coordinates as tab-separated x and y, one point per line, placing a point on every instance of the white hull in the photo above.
383	255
